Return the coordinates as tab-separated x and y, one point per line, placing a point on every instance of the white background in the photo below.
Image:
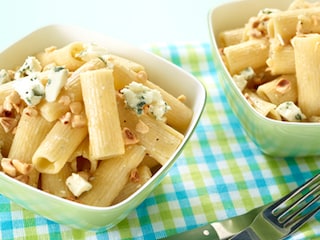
138	22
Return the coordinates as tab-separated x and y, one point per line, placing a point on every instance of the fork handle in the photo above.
202	233
246	234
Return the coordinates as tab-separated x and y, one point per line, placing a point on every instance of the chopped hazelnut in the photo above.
283	85
142	76
66	118
8	123
141	127
129	137
134	175
76	107
65	100
8	168
31	112
21	167
78	121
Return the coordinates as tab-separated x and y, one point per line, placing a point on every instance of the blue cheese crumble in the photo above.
30	65
241	79
57	78
143	99
30	89
33	85
290	112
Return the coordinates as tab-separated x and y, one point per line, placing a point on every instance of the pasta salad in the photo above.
86	125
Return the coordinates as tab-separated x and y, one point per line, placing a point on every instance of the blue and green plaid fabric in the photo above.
220	174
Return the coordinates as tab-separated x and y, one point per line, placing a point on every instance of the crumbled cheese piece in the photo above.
290	112
4	76
77	184
30	65
242	79
57	78
30	89
29	85
141	98
91	51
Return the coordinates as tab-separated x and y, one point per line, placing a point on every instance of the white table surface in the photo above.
138	22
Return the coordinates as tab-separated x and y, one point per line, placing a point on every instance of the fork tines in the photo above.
297	207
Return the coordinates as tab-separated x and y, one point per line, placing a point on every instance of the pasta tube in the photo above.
279	90
159	139
99	98
111	176
125	71
65	56
55	183
262	106
31	131
281	60
137	178
307	60
252	53
57	147
124	76
231	37
129	64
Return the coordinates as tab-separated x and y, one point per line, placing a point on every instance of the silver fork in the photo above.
281	218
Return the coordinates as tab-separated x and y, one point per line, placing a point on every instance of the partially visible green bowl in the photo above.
272	137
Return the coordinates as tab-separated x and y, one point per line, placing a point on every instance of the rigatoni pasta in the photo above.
56	148
100	104
30	132
117	168
307	58
138	177
231	37
66	56
82	124
253	53
281	60
55	183
279	90
159	139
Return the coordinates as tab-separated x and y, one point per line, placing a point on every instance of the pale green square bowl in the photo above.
272	137
167	75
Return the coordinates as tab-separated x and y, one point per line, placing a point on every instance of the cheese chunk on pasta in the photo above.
77	184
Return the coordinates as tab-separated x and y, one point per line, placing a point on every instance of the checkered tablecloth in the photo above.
220	174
